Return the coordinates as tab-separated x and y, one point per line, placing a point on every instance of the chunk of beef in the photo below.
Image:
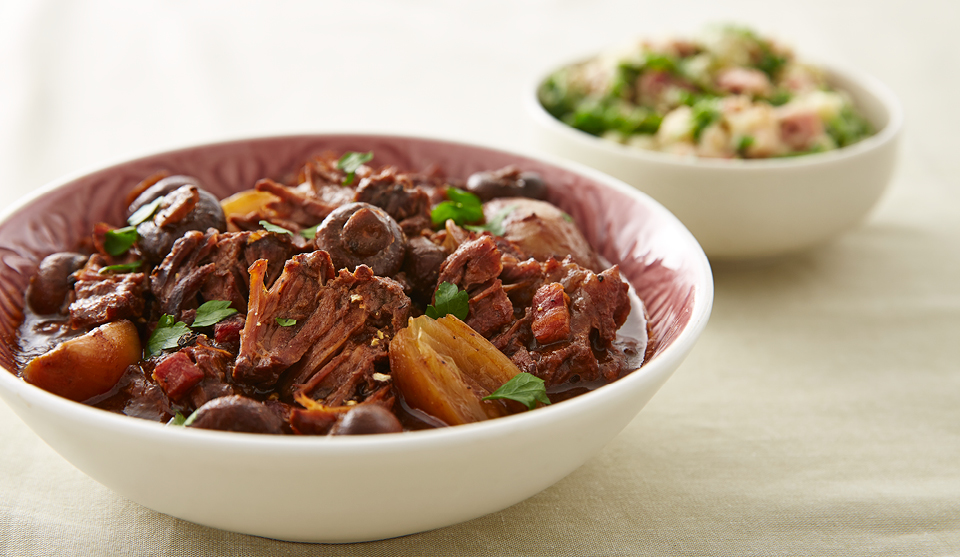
101	298
282	322
474	267
395	193
180	275
598	306
300	205
195	374
214	265
237	413
349	361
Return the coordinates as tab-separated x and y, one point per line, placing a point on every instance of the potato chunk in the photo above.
444	368
89	365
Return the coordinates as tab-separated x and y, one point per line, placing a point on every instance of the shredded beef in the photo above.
361	313
474	267
268	347
101	298
396	194
598	306
214	265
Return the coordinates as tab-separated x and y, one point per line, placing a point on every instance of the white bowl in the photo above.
344	489
752	208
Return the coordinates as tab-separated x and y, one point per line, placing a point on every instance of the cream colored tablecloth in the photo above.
818	415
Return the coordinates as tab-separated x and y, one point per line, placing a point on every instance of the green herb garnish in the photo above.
181	420
743	144
350	162
212	312
449	300
118	241
462	207
270	227
704	113
120	268
167	335
495	224
144	212
285	322
524	388
310	233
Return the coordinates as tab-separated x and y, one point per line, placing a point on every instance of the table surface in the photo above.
818	415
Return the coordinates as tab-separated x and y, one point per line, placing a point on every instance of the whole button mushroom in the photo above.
48	289
362	234
185	206
365	419
509	181
237	413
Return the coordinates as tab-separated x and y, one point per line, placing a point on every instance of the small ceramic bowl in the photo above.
345	489
752	208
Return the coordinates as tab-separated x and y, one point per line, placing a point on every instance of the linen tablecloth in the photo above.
818	415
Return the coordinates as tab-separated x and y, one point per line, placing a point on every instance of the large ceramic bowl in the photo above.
345	489
752	208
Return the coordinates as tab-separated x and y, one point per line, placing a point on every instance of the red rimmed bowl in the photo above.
347	489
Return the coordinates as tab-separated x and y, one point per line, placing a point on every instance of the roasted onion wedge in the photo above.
444	368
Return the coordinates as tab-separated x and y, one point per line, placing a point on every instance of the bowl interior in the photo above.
656	254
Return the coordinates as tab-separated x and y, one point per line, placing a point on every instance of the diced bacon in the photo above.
551	316
227	332
177	374
799	130
746	81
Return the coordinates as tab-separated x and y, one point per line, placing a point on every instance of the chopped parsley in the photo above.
743	144
350	162
181	420
495	224
212	312
310	233
704	113
120	268
118	241
285	322
270	227
462	207
524	388
144	212
449	300
167	335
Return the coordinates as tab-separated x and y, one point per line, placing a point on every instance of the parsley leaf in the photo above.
270	227
286	322
118	241
181	420
704	113
350	162
743	144
462	207
495	224
120	268
524	388
449	300
310	233
166	335
144	212
212	312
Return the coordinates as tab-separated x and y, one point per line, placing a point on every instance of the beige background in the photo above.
818	415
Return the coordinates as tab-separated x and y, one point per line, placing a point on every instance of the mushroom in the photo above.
509	181
362	234
48	290
185	206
